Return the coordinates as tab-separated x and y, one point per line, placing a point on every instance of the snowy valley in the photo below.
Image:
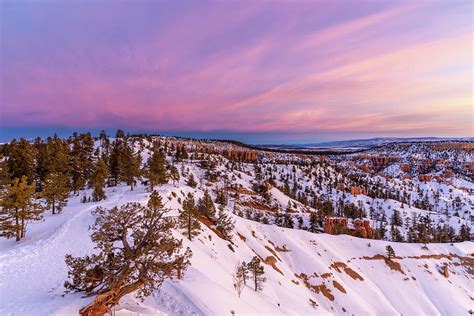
320	226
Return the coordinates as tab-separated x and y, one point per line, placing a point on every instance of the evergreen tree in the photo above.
98	180
187	218
191	182
465	233
130	163
206	206
156	169
395	234
135	251
256	271
119	134
18	208
81	160
390	252
116	167
51	157
21	160
224	223
174	174
56	191
243	272
155	202
221	197
396	219
239	279
313	222
287	218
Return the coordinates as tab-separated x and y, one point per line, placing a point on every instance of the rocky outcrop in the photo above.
424	177
362	228
335	226
358	190
405	167
240	155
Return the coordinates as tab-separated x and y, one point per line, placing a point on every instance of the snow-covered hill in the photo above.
306	273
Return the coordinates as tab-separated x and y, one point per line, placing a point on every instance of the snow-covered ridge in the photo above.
306	272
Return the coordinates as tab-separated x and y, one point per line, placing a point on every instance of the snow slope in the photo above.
306	273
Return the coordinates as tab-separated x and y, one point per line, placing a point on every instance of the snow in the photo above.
32	272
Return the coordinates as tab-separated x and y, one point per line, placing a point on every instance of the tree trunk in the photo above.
53	206
22	227
17	226
189	227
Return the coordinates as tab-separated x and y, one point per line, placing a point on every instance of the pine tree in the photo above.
395	234
187	218
224	223
156	169
240	276
17	208
465	233
135	252
206	206
52	156
287	218
98	180
116	167
191	182
221	197
396	219
155	202
313	222
390	252
257	271
56	191
21	160
174	174
130	163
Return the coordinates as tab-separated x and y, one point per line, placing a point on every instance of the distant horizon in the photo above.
44	132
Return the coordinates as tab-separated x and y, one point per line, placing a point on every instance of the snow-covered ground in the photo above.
306	273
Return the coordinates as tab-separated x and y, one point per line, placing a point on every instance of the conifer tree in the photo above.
390	252
206	205
56	191
156	169
256	273
115	162
155	202
21	160
287	218
81	160
174	174
240	277
395	234
98	180
130	163
52	156
18	207
135	251
313	222
224	223
396	219
221	197
187	218
465	232
191	182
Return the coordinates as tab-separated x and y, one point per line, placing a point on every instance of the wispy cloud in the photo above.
300	68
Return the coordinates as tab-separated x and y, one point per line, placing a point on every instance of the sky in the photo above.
257	71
